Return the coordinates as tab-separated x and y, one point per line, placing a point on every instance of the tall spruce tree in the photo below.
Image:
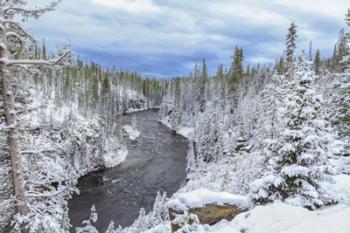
299	163
202	87
280	66
235	76
317	62
290	47
221	88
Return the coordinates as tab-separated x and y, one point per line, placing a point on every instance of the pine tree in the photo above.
111	227
140	224
106	85
202	87
88	225
317	62
221	87
341	51
280	66
340	104
299	162
310	51
235	77
347	42
290	47
43	50
176	113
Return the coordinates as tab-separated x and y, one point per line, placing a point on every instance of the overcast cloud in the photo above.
166	37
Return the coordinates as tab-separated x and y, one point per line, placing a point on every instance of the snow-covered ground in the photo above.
274	218
185	131
283	218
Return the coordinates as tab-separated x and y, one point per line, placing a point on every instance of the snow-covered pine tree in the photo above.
290	48
159	212
340	104
220	89
140	224
299	162
340	93
111	227
88	225
346	60
317	62
206	138
191	165
176	111
280	66
268	122
234	78
202	87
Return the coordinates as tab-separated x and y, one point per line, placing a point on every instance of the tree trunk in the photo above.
13	140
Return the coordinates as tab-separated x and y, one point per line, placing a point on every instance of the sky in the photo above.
165	38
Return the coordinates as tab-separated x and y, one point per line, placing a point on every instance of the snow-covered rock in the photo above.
202	197
132	132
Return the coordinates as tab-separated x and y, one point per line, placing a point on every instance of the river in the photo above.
156	162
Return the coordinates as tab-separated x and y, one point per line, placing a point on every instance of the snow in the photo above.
132	132
187	132
202	197
341	187
283	218
161	228
115	157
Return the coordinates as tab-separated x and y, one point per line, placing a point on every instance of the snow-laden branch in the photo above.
20	29
51	62
38	195
27	13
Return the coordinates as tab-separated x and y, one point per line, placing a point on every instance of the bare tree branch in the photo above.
40	62
34	12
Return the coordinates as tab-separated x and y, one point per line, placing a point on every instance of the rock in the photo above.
210	214
210	207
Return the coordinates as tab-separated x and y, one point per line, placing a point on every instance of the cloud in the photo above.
133	6
166	37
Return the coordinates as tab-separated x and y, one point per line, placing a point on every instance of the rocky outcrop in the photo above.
208	207
209	214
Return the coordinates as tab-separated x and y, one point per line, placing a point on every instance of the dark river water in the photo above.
155	163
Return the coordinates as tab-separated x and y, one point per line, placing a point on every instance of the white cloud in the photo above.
132	6
254	14
330	8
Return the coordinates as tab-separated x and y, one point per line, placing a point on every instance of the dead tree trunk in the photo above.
13	139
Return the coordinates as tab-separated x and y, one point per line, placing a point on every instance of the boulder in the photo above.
209	214
209	207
